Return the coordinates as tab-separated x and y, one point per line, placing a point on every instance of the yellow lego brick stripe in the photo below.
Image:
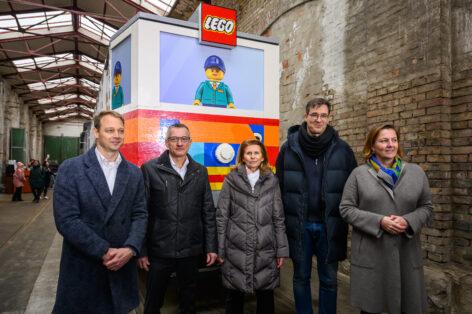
216	186
218	170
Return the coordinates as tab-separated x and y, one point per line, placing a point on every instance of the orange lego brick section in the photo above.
271	135
144	126
218	132
138	130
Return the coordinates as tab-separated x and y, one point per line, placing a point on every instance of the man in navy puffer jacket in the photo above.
313	166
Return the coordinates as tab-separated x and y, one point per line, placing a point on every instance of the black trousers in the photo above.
17	195
364	312
45	190
36	193
160	270
235	301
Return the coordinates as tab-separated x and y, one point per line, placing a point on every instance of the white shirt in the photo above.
213	83
181	171
253	177
109	168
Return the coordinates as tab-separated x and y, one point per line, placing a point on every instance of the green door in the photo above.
17	145
61	148
70	147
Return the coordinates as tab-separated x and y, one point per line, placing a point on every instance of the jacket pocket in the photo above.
362	250
413	252
158	195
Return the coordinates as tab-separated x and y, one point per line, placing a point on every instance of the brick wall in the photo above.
461	130
385	61
404	62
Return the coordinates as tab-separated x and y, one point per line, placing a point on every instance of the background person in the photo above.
47	178
18	181
36	180
387	201
252	243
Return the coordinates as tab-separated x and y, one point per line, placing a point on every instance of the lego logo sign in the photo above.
217	26
220	25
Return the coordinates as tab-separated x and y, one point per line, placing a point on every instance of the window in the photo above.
17	145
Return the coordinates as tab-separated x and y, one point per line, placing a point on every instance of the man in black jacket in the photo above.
313	166
181	221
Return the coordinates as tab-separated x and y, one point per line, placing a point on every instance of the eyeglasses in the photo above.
175	139
316	116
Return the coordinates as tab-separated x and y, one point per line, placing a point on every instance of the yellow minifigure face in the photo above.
117	79
214	74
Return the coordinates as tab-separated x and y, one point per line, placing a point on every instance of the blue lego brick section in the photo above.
168	122
163	125
197	151
257	128
210	158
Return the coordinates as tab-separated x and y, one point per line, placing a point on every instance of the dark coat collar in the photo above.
163	163
294	143
164	160
242	173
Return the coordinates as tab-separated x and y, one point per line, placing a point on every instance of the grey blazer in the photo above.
386	269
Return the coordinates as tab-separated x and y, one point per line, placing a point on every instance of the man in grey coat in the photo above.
100	210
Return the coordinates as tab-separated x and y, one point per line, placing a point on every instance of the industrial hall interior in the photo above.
380	91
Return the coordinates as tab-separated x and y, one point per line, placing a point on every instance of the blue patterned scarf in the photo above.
393	172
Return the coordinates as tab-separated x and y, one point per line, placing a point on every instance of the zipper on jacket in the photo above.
179	189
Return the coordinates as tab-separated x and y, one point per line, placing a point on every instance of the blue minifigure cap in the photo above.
117	69
215	62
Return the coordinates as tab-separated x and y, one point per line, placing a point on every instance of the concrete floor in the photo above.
30	250
27	231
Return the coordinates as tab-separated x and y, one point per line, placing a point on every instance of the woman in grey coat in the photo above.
252	242
387	201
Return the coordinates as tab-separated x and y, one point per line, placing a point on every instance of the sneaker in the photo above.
41	197
46	198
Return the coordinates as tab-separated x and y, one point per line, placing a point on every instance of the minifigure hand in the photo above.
197	102
231	106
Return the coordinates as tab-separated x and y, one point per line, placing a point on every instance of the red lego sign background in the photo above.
217	25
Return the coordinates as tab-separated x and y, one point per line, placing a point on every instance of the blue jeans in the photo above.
315	242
